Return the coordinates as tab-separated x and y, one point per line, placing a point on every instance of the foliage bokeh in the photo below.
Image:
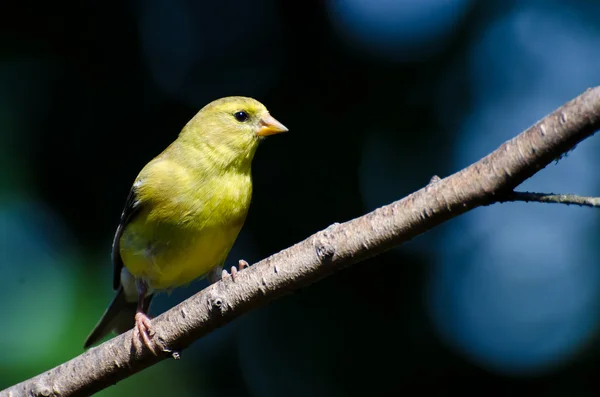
379	96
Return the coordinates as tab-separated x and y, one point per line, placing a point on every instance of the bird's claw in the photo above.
143	330
242	265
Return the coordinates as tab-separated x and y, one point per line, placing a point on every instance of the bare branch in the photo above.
485	182
568	199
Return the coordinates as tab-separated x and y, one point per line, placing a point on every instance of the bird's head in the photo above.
231	128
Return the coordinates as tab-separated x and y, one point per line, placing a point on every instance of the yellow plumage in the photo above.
185	209
169	251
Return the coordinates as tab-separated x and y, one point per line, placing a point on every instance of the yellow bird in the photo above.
184	211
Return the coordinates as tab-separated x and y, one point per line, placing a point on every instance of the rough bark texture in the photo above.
485	182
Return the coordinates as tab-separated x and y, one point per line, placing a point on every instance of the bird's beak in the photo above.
270	126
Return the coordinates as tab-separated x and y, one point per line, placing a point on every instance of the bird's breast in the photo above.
175	240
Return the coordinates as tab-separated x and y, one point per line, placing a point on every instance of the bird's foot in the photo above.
143	330
214	274
242	265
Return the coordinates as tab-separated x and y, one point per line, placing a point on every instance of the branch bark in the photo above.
489	180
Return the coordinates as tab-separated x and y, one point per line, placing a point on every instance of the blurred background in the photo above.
379	95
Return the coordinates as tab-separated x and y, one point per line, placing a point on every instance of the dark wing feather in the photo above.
132	207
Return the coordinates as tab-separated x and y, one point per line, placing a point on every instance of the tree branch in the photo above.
490	180
568	199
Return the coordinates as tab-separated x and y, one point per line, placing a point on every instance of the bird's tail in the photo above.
119	317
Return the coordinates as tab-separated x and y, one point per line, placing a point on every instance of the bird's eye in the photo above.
241	116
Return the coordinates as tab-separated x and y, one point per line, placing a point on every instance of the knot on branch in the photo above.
217	304
434	179
324	246
45	391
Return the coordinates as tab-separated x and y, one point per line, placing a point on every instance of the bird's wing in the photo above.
132	207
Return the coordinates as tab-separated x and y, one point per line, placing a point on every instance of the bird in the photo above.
184	212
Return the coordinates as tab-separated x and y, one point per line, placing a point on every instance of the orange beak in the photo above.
270	126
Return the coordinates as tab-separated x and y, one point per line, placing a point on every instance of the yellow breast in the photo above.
166	263
173	241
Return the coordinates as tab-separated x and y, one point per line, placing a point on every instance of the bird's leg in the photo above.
142	321
242	265
214	274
